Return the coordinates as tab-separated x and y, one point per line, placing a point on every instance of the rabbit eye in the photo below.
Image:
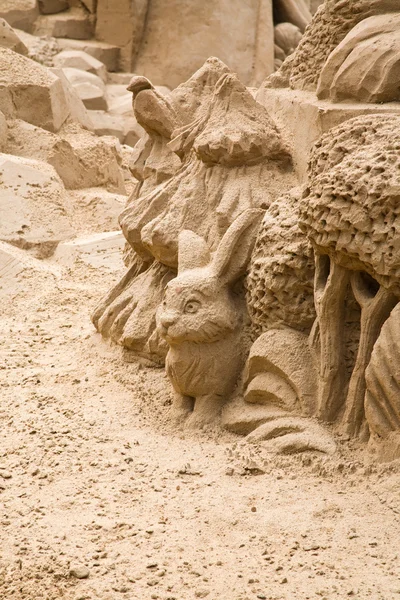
192	306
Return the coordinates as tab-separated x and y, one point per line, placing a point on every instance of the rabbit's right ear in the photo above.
234	251
193	251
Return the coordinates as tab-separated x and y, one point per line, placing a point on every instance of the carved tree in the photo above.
280	277
331	282
349	213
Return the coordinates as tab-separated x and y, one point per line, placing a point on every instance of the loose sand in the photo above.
95	483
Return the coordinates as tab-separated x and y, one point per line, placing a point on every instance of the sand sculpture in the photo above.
350	51
224	152
318	285
201	318
353	175
269	292
244	259
346	203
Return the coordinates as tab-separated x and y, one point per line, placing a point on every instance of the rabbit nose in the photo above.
168	319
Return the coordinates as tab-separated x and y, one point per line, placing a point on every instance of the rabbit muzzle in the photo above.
166	321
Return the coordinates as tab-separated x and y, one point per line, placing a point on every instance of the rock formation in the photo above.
365	66
49	149
68	36
164	42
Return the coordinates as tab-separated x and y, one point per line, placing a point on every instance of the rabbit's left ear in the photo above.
193	251
234	251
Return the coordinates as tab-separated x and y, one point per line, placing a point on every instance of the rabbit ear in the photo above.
193	251
233	253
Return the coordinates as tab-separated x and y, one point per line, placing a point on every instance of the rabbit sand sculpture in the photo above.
201	318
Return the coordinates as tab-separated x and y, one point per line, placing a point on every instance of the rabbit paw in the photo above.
198	421
181	408
206	412
195	422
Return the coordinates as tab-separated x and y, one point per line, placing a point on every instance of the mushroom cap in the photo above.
238	130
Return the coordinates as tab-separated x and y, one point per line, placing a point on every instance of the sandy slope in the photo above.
93	476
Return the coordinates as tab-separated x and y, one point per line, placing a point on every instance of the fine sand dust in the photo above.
95	482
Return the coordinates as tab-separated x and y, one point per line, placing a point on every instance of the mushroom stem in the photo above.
376	307
331	283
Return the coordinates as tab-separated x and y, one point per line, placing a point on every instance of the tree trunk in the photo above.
376	307
331	283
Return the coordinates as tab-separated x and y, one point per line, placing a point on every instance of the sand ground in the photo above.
95	482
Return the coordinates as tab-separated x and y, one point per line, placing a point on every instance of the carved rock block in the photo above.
9	39
31	92
19	13
74	23
78	59
81	159
34	205
107	54
89	87
50	7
